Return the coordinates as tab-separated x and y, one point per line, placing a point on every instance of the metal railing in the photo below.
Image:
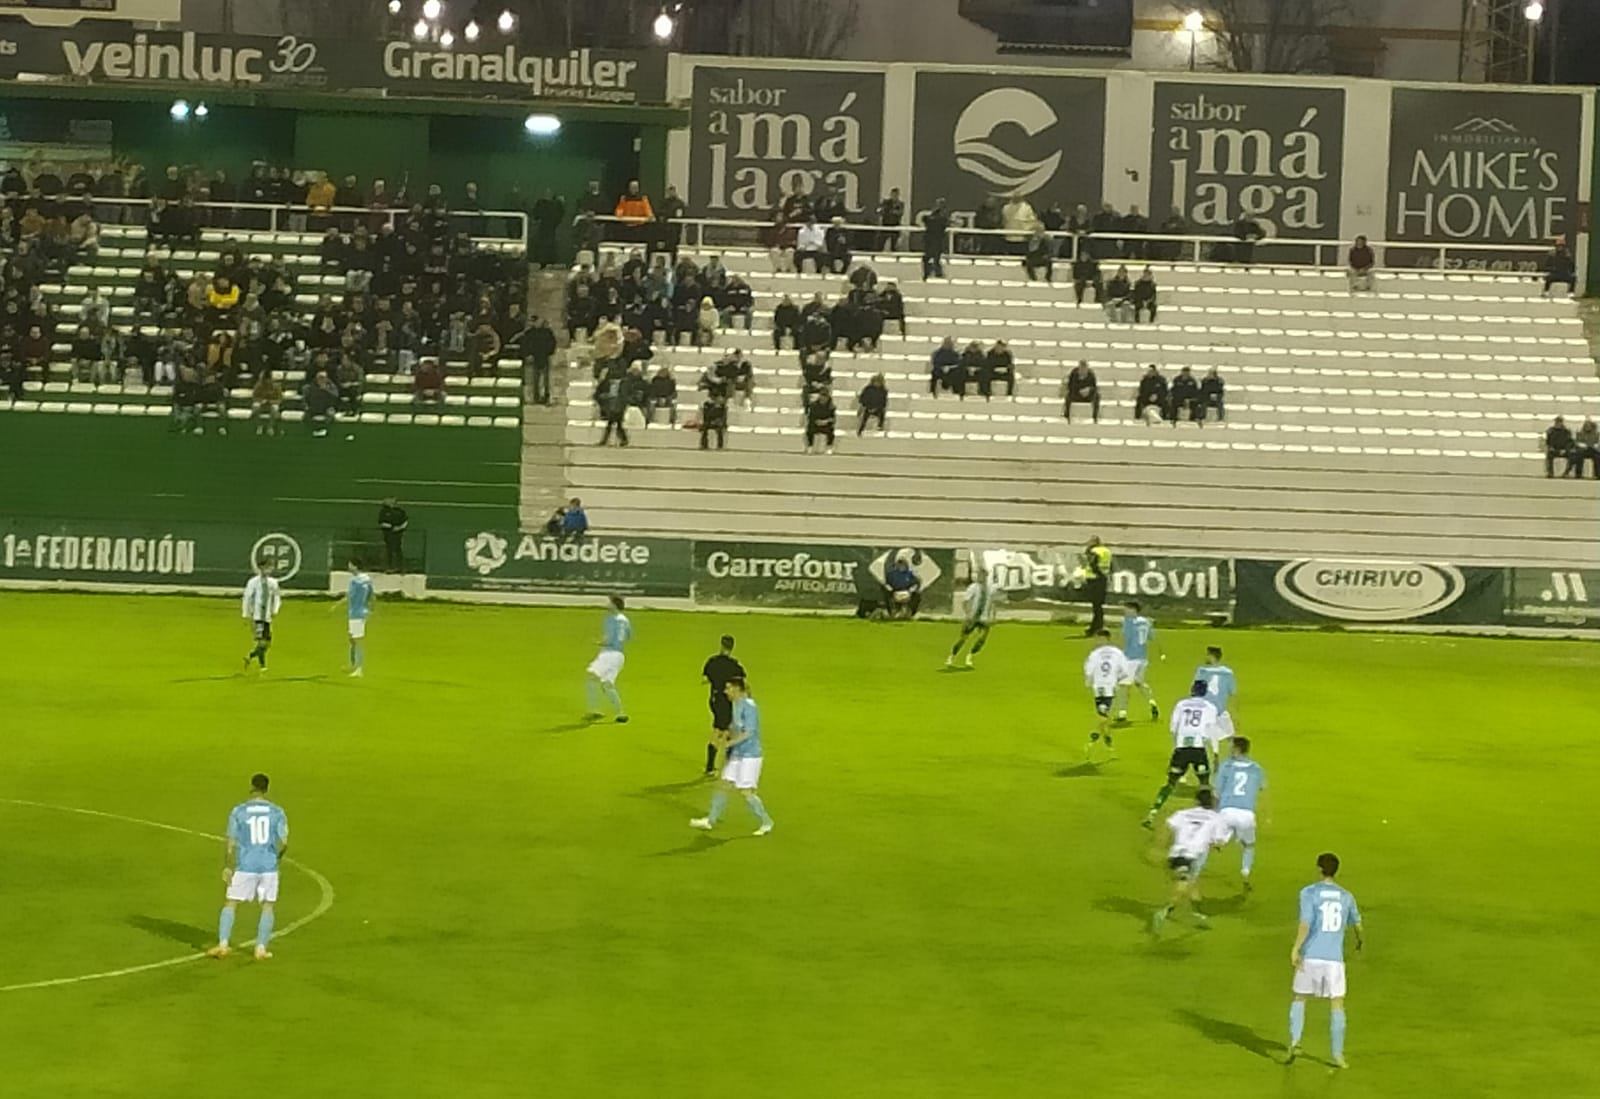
1464	259
112	212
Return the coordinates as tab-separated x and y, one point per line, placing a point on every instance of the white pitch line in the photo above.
323	904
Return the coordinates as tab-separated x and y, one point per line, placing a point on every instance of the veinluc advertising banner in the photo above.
757	132
1272	151
993	135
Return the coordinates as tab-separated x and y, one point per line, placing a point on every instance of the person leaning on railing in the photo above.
635	213
1560	268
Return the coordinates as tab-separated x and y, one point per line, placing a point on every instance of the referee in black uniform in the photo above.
719	671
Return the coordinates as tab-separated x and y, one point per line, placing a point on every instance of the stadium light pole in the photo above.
1534	14
1194	23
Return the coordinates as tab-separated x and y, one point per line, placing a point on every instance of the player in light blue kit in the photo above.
1221	689
1326	909
1138	638
358	604
607	665
742	772
1239	782
258	834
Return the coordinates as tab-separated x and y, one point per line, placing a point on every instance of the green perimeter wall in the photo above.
63	465
492	149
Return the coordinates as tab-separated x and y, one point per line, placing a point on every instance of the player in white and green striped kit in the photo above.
981	603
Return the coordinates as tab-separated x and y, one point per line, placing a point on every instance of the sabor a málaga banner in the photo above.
756	132
104	53
1368	592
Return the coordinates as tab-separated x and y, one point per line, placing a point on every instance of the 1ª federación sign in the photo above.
189	555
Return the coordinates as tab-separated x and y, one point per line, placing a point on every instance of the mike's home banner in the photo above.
1496	167
117	54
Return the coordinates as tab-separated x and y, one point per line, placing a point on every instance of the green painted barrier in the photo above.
162	554
514	561
1554	597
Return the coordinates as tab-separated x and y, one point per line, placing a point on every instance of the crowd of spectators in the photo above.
414	296
1575	449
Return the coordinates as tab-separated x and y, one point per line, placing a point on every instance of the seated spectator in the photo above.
108	366
582	313
1560	268
904	587
575	522
333	251
222	299
1151	403
553	525
483	351
816	327
736	371
635	393
785	322
969	369
1038	256
1211	395
816	375
1185	397
321	397
998	366
139	353
1585	448
1119	298
1362	262
738	302
1176	225
83	236
872	403
811	244
428	382
95	309
893	306
822	415
266	404
12	375
1558	443
351	380
213	401
1086	275
714	421
220	354
149	291
946	360
85	351
836	242
186	402
662	393
708	324
1081	387
1144	298
34	350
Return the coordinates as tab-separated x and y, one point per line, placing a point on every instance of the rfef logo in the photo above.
977	153
1370	591
280	552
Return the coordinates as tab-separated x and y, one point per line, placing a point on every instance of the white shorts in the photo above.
1136	669
1224	726
607	666
253	887
1325	980
358	628
1240	824
743	771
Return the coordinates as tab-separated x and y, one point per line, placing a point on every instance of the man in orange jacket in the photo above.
634	211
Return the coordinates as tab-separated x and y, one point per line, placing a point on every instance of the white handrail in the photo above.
392	215
1450	258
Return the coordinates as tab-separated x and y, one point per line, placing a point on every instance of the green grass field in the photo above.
950	905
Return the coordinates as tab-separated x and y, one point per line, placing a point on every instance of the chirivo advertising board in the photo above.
1046	577
1367	591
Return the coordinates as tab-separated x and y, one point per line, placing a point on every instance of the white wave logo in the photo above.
976	153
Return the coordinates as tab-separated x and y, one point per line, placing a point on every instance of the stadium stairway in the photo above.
543	479
1405	423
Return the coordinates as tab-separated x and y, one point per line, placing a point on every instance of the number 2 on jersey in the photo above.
1240	781
260	830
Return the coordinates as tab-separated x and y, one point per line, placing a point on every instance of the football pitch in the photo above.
505	902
